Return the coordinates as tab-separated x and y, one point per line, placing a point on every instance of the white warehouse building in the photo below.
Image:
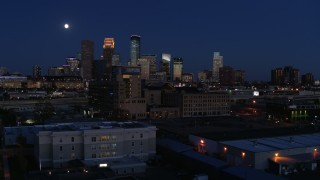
92	142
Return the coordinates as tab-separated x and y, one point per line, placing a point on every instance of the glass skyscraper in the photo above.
135	50
216	65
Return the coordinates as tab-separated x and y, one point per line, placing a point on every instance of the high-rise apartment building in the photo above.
276	76
36	71
239	76
307	79
177	68
135	50
152	58
227	75
166	65
87	57
285	76
217	63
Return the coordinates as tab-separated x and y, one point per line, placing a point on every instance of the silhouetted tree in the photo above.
43	110
8	117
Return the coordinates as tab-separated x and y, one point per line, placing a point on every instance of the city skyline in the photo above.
252	36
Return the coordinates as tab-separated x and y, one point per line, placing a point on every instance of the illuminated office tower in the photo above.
177	69
165	65
145	67
152	58
87	57
217	63
108	51
135	50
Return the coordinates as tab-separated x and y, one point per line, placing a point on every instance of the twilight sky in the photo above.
252	35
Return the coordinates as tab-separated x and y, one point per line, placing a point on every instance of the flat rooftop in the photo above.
257	133
276	143
75	126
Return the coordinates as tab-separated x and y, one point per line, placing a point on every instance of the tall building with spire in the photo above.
87	57
134	50
108	52
217	63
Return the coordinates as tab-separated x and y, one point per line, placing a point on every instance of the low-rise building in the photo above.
91	142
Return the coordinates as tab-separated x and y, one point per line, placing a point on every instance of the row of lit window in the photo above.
103	138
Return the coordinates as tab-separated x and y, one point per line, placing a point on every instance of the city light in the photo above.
243	154
276	154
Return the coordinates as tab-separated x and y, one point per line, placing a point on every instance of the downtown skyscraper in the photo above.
134	49
108	52
87	57
165	65
177	68
217	63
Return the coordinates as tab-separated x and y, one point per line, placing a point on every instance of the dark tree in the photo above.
43	110
7	117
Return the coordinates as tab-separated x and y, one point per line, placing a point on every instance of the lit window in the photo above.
103	138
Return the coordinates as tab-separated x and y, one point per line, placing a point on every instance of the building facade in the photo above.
165	65
92	142
177	68
135	49
87	57
217	63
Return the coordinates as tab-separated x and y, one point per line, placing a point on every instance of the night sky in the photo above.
252	35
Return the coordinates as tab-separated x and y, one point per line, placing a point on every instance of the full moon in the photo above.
66	26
